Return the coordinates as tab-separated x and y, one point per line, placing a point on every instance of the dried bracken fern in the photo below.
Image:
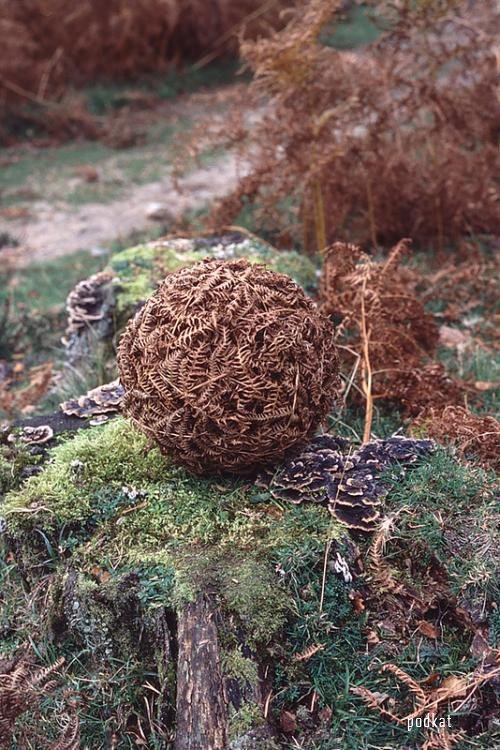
14	399
60	42
227	366
308	652
21	688
454	691
70	738
412	685
470	433
443	740
385	332
397	139
380	572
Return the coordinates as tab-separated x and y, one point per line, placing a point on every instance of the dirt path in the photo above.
50	207
55	231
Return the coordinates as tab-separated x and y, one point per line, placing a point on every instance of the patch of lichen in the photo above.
139	269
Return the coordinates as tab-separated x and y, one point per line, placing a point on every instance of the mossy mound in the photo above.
106	488
110	540
139	269
121	538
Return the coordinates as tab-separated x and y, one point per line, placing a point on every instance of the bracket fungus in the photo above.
228	366
89	306
351	482
105	399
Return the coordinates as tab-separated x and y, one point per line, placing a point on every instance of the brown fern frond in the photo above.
407	680
401	135
70	738
21	688
306	654
373	701
381	573
41	676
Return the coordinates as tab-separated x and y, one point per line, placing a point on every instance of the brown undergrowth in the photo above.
397	139
48	44
385	336
22	688
471	434
387	342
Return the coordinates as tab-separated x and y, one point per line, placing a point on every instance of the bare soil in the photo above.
53	208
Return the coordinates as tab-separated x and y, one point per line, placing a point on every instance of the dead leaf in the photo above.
427	629
372	638
358	602
288	722
480	648
102	575
484	385
325	714
87	173
451	687
431	679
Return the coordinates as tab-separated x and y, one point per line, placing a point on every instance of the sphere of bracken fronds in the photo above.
228	366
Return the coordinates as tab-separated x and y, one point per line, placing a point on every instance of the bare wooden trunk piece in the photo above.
201	703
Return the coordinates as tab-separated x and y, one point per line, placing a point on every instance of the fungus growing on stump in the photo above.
228	366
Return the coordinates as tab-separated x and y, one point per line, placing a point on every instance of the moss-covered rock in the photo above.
138	269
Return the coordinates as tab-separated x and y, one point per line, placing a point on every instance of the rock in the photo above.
158	212
87	173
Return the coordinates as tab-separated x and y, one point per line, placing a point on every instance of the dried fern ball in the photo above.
228	366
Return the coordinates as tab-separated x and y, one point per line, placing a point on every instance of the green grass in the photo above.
358	27
450	523
42	286
50	173
106	97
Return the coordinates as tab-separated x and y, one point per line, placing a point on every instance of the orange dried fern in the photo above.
470	433
400	136
22	686
383	325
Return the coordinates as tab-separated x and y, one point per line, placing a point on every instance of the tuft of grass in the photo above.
43	286
357	27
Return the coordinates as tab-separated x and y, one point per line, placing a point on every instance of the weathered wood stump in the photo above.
201	702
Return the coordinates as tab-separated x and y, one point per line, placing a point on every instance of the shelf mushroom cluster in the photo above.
351	482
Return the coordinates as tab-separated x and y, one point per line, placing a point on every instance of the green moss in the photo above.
65	491
140	268
250	589
247	717
13	460
239	667
117	507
